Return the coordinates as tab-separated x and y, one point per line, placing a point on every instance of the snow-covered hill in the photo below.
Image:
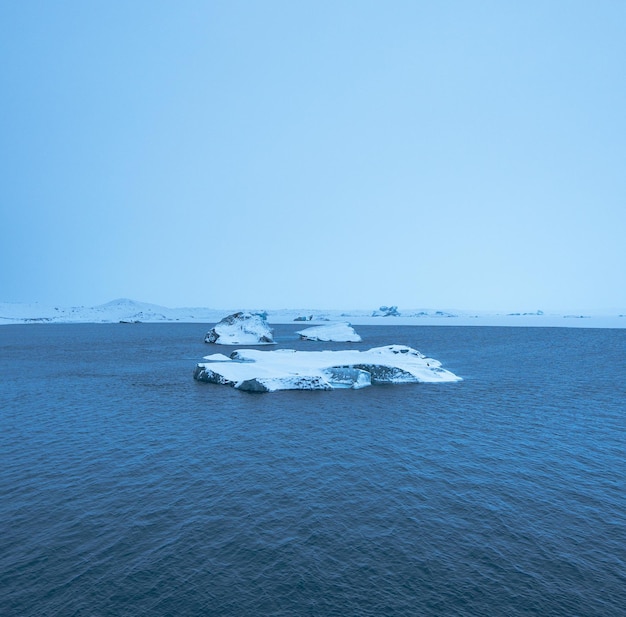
125	310
121	310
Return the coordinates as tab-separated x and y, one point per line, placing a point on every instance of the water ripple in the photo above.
128	488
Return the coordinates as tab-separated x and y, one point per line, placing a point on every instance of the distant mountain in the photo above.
120	310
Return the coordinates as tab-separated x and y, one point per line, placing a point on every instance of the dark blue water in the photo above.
127	488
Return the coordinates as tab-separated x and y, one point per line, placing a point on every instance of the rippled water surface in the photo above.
127	488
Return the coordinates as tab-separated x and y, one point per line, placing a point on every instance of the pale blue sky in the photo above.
314	154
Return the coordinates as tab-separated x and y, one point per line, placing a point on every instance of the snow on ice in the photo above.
241	329
337	332
287	369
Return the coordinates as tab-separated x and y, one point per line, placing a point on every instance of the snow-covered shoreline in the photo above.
130	311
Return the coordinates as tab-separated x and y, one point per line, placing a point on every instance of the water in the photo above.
127	488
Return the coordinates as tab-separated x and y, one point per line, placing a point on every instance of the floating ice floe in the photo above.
337	332
287	369
241	329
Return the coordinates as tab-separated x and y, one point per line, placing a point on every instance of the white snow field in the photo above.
125	310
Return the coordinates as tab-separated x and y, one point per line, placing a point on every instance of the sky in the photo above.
323	154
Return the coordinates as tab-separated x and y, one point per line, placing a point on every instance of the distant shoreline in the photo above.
126	311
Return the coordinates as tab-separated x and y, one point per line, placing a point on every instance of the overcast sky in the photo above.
314	154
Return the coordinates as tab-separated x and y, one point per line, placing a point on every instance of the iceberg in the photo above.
241	329
337	332
387	311
287	369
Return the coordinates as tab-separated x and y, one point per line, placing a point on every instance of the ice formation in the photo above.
287	369
241	329
337	332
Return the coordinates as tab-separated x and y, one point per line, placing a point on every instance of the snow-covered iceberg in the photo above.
287	369
241	329
337	332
